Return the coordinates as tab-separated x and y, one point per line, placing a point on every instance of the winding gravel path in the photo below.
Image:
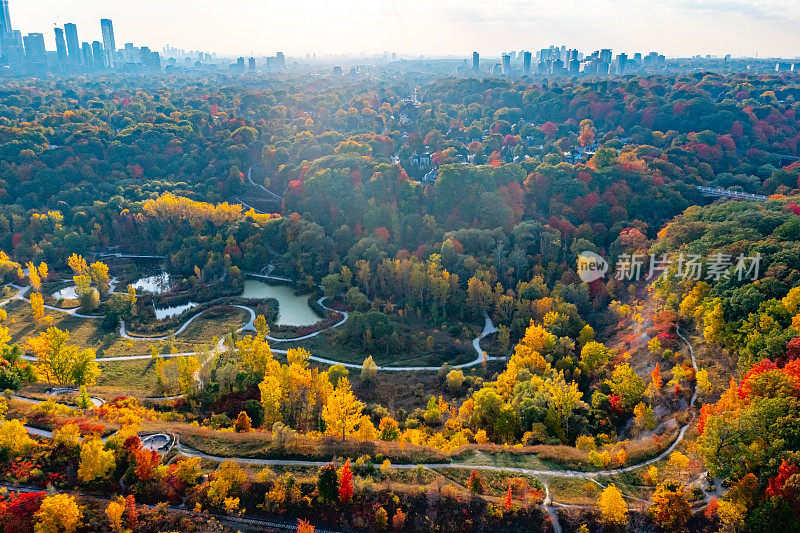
250	179
574	474
488	329
550	507
21	296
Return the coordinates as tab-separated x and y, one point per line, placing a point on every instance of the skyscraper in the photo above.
73	44
61	46
88	56
109	46
280	60
526	63
506	64
622	63
5	18
6	35
98	54
35	53
476	61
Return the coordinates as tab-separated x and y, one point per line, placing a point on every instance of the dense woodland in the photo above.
328	182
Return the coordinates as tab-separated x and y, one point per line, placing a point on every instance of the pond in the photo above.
68	293
155	284
175	310
293	310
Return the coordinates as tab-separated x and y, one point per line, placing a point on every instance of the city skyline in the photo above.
680	29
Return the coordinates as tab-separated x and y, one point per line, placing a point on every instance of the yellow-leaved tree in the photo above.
294	394
14	438
78	264
225	482
99	273
613	509
342	411
271	395
37	306
187	370
96	461
62	363
114	512
254	353
33	277
369	369
58	514
68	435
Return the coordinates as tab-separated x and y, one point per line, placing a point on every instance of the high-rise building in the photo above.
575	66
109	45
35	53
476	61
506	64
6	32
280	60
5	18
251	64
605	55
73	44
622	63
13	50
97	54
61	46
87	56
129	53
154	62
526	63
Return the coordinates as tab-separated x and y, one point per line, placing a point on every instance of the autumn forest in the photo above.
314	301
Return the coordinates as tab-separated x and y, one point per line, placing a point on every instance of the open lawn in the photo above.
573	490
107	343
137	376
85	332
505	458
495	483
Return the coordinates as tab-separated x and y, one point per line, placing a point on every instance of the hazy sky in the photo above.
435	27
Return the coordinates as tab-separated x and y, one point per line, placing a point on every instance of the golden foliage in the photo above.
96	461
58	514
613	509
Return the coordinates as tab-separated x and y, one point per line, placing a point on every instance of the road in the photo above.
253	183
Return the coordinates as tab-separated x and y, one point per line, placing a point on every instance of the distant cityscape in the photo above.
28	55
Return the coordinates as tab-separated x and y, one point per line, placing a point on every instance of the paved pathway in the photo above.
574	474
548	504
488	329
250	179
73	311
